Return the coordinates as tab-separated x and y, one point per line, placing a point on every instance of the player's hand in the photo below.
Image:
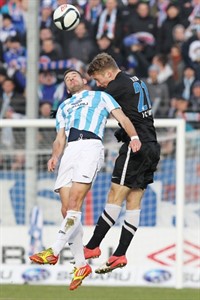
52	162
135	145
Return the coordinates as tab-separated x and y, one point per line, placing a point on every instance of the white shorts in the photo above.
80	162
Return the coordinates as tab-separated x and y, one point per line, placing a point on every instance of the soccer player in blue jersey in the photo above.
132	171
80	124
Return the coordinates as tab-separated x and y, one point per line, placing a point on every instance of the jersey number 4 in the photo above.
144	102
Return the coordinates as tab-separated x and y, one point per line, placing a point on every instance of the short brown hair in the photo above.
71	70
101	62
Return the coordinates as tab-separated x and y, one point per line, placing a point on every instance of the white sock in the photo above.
113	211
68	227
76	247
132	217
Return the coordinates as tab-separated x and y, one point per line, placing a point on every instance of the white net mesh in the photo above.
24	185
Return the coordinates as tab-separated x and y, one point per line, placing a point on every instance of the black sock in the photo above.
124	242
100	231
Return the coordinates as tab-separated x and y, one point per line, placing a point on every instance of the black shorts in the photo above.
136	170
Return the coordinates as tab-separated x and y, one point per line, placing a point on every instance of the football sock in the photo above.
68	227
131	223
76	247
105	222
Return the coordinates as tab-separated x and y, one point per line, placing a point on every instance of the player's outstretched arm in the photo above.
125	122
58	147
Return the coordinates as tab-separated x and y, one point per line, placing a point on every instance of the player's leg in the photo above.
72	199
116	196
131	221
48	256
140	170
86	172
72	220
129	228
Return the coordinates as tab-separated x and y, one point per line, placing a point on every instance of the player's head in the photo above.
74	81
103	68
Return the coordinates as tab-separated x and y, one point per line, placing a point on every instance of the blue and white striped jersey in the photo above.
87	110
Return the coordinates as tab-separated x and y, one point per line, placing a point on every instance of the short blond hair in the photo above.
101	62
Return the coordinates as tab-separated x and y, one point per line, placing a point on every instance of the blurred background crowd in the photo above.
156	40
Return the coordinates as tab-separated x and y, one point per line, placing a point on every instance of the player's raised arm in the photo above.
57	150
125	122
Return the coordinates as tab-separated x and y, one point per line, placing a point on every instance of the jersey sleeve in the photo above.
60	121
110	102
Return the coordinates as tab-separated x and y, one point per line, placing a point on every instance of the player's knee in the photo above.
74	203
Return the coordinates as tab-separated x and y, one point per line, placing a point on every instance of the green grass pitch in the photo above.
30	292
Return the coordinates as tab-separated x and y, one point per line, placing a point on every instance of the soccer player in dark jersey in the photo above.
132	171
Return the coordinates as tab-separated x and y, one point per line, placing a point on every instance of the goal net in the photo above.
26	146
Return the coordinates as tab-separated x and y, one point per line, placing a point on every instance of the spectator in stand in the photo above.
61	36
92	12
165	71
46	33
16	10
136	56
47	87
12	106
50	49
194	56
184	87
1	52
176	62
60	94
45	17
195	97
158	10
7	30
189	47
45	110
186	9
82	46
128	11
3	76
15	58
104	44
179	35
11	98
159	93
193	27
45	136
143	21
179	106
195	10
139	51
109	23
165	33
14	51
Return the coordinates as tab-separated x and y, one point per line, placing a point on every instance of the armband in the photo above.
134	137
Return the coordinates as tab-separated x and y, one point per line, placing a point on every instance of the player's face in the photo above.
102	79
74	82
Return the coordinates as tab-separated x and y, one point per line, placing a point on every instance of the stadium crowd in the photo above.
156	40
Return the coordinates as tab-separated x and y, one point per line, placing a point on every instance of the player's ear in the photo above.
84	81
108	74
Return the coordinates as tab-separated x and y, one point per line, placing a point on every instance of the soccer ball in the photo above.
66	17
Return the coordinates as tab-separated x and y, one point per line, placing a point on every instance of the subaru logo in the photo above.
35	274
157	276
